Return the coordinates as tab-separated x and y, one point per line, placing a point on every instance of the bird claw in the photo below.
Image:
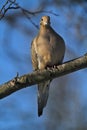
51	67
54	67
48	68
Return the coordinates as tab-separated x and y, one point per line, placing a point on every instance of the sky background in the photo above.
67	104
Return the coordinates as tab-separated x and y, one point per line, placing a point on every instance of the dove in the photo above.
47	50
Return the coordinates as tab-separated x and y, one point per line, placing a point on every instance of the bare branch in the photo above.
7	6
45	11
13	5
42	75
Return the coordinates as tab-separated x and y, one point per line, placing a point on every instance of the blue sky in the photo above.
19	110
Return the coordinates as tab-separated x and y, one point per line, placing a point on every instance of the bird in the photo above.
47	50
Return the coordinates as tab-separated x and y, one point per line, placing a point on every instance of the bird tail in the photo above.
43	93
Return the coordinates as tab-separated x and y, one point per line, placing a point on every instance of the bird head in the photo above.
45	21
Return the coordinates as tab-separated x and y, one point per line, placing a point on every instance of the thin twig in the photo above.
7	6
14	5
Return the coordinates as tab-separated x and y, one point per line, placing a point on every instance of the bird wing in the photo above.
34	55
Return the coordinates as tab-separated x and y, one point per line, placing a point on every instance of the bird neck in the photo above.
44	29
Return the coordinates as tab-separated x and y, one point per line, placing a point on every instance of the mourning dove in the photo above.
47	50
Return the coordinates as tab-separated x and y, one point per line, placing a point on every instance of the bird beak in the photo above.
45	23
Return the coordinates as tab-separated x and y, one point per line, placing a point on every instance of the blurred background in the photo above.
66	108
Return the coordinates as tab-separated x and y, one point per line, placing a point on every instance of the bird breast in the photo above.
49	50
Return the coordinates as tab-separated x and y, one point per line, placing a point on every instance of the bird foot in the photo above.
54	67
51	67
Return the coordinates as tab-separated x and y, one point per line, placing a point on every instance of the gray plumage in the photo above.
47	50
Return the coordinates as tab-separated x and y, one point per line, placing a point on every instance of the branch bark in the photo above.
42	75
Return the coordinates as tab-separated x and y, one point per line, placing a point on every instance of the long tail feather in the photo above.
43	93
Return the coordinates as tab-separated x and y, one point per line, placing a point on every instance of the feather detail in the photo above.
43	93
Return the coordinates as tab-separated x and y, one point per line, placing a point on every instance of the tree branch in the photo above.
42	75
12	4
